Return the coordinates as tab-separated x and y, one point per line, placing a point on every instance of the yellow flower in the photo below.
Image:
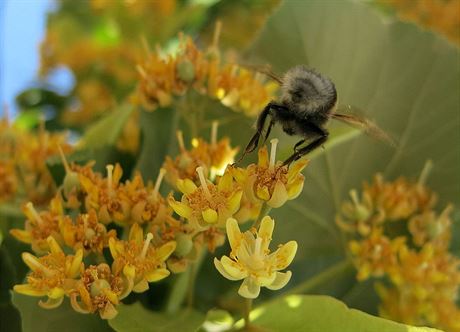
251	260
138	260
163	78
52	275
376	254
86	233
269	181
40	225
399	199
208	204
428	227
99	290
213	157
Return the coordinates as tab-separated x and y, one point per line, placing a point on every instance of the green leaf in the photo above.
63	318
321	313
405	78
158	134
136	318
107	130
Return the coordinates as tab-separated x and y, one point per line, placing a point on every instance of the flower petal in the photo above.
180	208
249	289
233	233
296	168
234	201
279	196
186	186
22	235
27	289
265	231
165	251
294	189
282	278
74	269
233	269
284	255
53	245
263	157
157	275
225	182
141	286
108	312
222	270
136	234
51	303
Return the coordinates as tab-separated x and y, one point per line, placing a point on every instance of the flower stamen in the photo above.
180	140
34	213
109	179
204	185
148	238
158	182
215	126
274	143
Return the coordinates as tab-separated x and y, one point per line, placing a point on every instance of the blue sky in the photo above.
22	27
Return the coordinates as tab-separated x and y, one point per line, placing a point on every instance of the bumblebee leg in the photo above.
254	142
299	143
309	129
269	129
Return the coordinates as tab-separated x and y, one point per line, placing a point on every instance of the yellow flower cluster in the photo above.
80	220
162	78
23	155
396	233
440	15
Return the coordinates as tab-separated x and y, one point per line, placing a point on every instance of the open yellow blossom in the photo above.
53	275
86	233
400	198
429	227
138	260
376	254
251	260
40	225
269	181
102	196
208	204
213	157
99	290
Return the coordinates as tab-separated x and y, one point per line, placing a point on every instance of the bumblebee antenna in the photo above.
264	69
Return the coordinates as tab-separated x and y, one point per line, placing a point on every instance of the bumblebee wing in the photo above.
366	125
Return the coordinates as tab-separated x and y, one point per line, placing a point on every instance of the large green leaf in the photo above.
63	318
107	129
136	318
405	78
321	313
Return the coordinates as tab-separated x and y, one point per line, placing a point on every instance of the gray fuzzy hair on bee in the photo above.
308	100
305	91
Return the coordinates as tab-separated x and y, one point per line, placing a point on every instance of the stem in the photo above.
247	312
194	269
264	210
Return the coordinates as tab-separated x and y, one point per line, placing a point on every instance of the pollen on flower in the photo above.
163	78
268	180
252	261
395	232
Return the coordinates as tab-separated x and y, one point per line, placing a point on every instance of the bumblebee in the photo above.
308	101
